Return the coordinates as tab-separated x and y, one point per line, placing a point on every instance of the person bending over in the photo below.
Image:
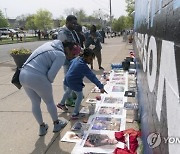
74	80
37	76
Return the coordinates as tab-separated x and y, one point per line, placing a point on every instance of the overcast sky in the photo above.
14	8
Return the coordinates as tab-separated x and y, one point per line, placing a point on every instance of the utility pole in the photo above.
5	12
110	12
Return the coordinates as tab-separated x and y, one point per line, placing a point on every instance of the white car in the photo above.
7	31
4	31
13	31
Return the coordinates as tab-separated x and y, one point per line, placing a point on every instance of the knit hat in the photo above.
76	49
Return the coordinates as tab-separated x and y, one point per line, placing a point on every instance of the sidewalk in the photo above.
19	130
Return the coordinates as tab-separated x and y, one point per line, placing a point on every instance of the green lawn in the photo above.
8	40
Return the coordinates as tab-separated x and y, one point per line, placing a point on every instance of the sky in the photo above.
14	8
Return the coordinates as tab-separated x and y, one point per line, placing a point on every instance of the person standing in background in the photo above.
17	35
12	36
80	34
39	34
68	34
94	38
102	32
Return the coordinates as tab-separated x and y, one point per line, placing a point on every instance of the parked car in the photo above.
13	31
54	35
7	31
4	31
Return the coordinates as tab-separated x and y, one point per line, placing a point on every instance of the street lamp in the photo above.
5	12
110	12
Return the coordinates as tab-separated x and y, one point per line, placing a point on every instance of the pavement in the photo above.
18	128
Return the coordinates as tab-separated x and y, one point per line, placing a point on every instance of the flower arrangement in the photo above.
21	51
20	56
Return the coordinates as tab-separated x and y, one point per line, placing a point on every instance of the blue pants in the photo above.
77	102
66	68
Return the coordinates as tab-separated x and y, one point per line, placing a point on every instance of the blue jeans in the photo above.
66	68
78	101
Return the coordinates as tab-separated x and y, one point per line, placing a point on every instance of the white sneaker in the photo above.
59	125
43	130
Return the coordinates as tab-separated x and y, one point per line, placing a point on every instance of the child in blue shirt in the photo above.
74	80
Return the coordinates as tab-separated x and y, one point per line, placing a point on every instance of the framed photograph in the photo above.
100	140
119	78
108	110
118	82
71	137
118	89
113	100
118	71
97	144
115	78
106	123
118	74
80	125
130	106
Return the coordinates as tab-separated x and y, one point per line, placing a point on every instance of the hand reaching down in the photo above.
103	91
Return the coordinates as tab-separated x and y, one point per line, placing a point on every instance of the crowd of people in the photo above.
74	51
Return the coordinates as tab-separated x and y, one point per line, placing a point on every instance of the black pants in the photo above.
98	56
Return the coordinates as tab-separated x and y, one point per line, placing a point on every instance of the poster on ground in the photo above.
97	143
71	136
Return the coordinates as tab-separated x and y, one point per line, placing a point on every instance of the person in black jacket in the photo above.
80	34
93	41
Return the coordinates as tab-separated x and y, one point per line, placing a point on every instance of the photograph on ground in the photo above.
117	89
71	137
110	110
101	140
106	123
113	100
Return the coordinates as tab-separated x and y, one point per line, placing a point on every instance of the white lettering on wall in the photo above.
144	60
141	46
167	75
168	80
151	76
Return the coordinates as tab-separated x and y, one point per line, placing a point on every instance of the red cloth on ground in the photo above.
122	151
133	143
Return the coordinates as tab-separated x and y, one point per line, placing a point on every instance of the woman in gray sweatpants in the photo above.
37	76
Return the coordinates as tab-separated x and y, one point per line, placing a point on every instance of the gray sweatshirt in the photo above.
50	59
65	34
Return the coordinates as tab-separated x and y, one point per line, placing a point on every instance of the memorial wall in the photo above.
157	48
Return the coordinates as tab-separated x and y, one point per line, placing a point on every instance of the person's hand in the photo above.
92	46
103	91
